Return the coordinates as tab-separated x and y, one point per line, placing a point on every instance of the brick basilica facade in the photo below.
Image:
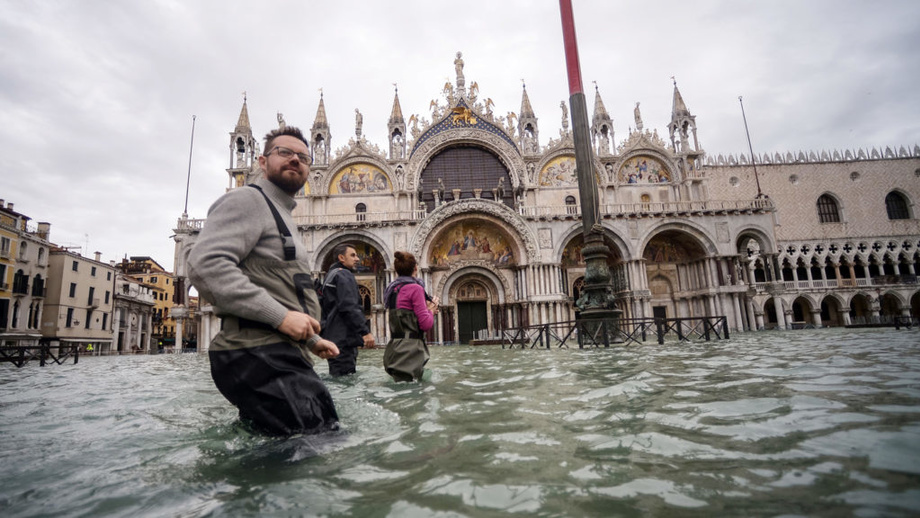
492	213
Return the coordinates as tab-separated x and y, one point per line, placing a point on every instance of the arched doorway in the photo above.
915	307
573	267
662	297
771	321
370	274
830	312
481	245
860	312
801	313
675	263
472	310
889	307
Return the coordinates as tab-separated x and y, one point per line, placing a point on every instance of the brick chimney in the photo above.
98	256
44	230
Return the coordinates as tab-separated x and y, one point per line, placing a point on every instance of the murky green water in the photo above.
817	423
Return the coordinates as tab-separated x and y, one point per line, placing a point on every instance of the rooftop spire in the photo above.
243	123
320	120
396	116
526	108
600	111
678	107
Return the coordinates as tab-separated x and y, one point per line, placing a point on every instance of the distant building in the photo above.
135	306
24	252
148	271
817	238
79	302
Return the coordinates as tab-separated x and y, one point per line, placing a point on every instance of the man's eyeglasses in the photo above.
286	154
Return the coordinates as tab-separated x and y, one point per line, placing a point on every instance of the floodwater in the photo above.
807	423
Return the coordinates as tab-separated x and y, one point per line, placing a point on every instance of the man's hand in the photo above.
325	349
300	326
369	341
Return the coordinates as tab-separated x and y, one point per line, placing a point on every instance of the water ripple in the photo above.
815	422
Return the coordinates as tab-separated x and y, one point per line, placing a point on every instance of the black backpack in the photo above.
321	288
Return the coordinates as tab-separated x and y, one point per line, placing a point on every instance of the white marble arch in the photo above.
626	254
902	300
501	287
814	300
525	242
353	236
763	239
698	232
510	156
841	300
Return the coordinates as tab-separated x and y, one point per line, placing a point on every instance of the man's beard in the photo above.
287	183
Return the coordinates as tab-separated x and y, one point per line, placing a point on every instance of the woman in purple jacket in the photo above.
411	315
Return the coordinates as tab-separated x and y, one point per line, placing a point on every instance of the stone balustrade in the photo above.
673	208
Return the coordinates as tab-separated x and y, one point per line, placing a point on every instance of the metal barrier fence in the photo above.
20	355
624	331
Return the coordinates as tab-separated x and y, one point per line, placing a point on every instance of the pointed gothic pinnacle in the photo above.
526	108
242	124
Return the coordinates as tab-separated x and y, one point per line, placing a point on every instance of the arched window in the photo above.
827	210
896	205
38	286
570	205
361	211
23	247
20	283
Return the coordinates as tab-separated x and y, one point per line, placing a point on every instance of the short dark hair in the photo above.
341	248
289	131
404	263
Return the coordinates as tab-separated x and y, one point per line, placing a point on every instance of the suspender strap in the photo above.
287	241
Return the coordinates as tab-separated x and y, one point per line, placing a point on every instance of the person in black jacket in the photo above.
343	320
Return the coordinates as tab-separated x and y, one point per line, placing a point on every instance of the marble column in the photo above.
816	317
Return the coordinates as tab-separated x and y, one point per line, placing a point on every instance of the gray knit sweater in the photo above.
239	226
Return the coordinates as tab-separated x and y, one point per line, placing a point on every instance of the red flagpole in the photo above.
571	47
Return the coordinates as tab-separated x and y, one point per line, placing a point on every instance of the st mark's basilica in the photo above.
491	210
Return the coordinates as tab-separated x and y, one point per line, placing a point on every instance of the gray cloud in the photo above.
96	98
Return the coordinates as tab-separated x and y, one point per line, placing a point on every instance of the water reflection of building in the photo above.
492	215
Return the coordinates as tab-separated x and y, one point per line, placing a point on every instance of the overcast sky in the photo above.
97	97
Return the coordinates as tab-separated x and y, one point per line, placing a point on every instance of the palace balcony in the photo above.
827	284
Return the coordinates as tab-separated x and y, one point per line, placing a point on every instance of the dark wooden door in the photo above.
471	317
